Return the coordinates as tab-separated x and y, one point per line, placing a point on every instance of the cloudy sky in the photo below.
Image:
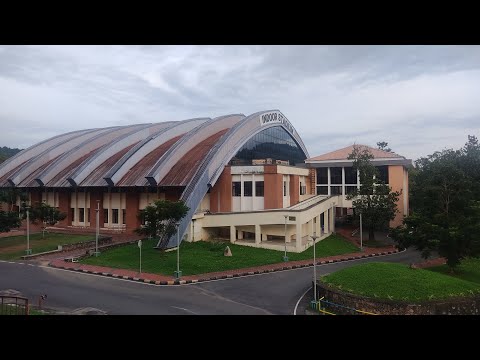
417	98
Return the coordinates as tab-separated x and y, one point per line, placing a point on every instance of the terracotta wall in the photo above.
132	202
294	189
64	207
172	194
395	180
221	193
273	183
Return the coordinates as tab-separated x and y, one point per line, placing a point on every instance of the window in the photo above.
114	216
335	175
105	216
322	190
303	189
88	214
236	188
284	188
274	143
72	214
247	188
259	188
336	190
322	176
383	173
350	189
124	216
81	215
350	175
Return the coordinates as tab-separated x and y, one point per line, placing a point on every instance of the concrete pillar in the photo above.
299	235
332	219
289	234
327	221
240	235
318	229
233	235
258	234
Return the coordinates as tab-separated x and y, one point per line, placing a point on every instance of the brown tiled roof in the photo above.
342	154
141	168
183	171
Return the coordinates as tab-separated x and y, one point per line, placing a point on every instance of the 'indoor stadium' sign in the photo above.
276	117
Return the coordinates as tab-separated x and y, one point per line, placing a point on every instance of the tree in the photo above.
10	195
374	200
44	213
8	221
382	145
160	218
446	211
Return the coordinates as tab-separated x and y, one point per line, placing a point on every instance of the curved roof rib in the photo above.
142	149
40	160
187	143
219	156
82	149
110	150
27	154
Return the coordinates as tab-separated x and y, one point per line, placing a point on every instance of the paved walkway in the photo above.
169	280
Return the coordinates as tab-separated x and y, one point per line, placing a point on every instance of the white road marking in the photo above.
191	312
196	283
301	297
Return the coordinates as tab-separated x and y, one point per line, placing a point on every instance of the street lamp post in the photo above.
361	233
178	273
285	257
314	302
97	230
28	251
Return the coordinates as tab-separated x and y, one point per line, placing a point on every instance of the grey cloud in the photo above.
411	96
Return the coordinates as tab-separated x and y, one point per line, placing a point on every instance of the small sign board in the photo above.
139	243
292	218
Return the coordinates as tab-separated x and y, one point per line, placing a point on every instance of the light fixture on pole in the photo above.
285	257
140	247
28	251
97	230
361	233
178	273
314	302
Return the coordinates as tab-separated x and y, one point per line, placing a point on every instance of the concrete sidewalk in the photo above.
169	280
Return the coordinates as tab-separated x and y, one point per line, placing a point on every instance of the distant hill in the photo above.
6	152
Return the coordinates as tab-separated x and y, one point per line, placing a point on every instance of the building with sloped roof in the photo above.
336	176
246	178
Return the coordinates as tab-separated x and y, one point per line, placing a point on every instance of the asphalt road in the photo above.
263	294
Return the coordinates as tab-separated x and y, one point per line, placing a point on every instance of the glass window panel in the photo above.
322	176
336	190
322	190
236	188
259	188
350	175
247	188
335	175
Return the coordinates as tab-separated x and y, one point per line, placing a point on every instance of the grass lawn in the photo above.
468	270
202	257
13	247
399	282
